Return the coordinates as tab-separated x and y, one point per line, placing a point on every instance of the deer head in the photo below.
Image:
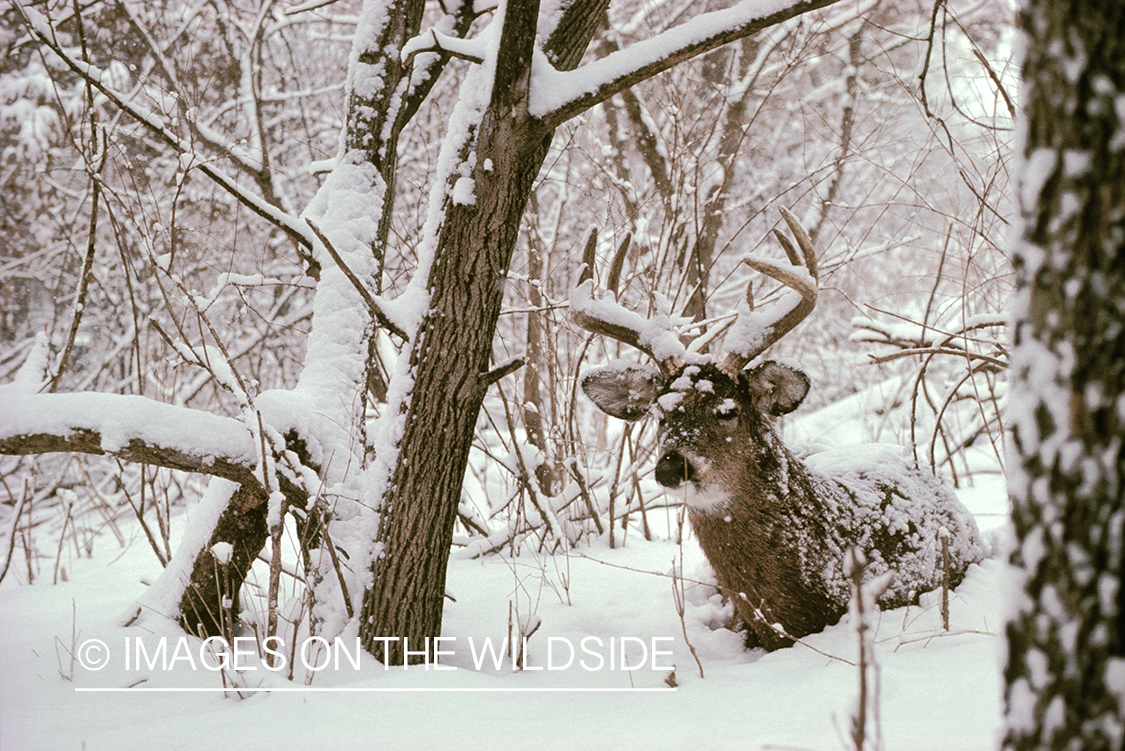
714	416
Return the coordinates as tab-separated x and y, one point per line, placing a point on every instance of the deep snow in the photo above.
936	691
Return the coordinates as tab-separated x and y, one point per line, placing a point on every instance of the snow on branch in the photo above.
433	40
556	96
910	338
133	428
372	303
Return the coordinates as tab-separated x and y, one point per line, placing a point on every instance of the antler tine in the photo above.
588	256
754	342
613	281
803	240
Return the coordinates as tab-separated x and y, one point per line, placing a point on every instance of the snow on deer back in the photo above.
775	529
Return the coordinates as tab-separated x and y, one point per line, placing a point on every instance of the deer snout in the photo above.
674	469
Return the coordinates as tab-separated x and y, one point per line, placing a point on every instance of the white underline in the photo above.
369	690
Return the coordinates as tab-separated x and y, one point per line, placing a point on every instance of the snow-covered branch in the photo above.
368	298
556	96
133	428
443	44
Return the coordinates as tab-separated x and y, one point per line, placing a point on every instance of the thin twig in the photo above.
679	598
15	525
938	351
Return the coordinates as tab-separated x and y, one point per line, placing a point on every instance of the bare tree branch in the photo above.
368	298
94	76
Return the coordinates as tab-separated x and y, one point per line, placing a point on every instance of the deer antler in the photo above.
606	317
754	332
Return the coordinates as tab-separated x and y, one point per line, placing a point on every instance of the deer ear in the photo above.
622	390
776	389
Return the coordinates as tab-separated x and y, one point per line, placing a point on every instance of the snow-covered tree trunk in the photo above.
1066	666
321	419
349	215
487	184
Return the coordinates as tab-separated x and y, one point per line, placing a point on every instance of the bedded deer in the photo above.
774	529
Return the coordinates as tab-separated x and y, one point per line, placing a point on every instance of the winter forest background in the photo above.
184	218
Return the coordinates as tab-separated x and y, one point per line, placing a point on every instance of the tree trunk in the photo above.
243	526
533	409
450	355
1065	677
466	285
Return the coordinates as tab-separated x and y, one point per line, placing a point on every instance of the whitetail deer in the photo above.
774	529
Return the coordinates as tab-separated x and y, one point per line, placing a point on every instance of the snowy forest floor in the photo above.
935	690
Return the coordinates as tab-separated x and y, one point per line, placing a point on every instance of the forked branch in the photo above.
558	96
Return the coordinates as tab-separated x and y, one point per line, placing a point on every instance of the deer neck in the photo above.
774	490
760	544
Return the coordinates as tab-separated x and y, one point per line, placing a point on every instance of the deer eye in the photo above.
727	411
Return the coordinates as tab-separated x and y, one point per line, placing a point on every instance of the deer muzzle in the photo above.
674	469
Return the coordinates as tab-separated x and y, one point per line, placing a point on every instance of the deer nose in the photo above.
674	469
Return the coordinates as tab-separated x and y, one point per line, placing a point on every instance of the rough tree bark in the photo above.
242	526
1065	677
450	354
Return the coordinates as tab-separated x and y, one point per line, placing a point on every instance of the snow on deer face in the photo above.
714	428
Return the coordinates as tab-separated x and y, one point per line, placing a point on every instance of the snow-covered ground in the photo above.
936	690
